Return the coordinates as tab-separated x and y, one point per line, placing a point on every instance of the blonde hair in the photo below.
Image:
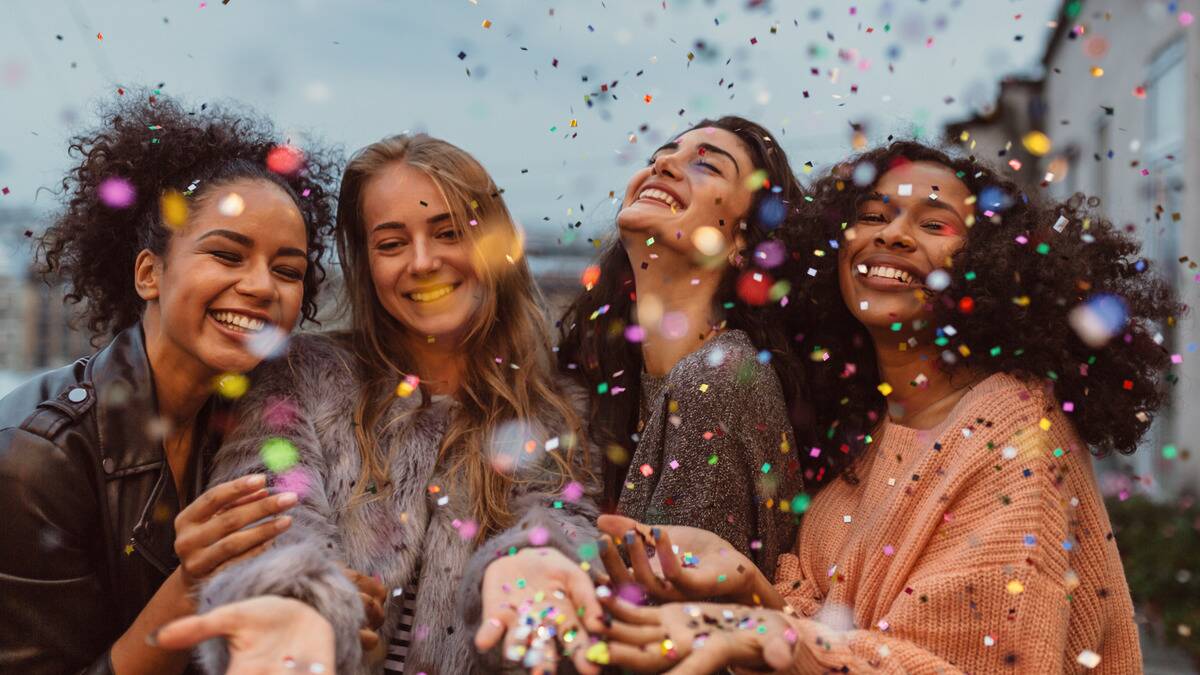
509	374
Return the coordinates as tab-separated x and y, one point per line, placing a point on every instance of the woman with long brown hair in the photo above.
427	439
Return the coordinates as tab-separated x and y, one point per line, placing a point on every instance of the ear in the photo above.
739	245
147	271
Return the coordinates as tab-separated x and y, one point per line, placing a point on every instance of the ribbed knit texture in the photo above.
980	546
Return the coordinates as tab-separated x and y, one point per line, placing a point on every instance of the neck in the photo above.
672	284
182	383
922	393
440	364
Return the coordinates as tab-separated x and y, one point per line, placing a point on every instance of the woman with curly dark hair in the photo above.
194	240
985	345
681	335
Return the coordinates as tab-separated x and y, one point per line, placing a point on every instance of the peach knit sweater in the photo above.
980	546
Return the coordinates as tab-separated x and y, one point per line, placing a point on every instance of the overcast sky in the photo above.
353	71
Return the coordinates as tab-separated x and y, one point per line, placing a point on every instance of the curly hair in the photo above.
151	145
1024	266
592	344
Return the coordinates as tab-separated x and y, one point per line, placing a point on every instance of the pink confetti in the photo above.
573	491
280	413
293	480
1186	18
116	192
1068	406
466	528
538	536
889	550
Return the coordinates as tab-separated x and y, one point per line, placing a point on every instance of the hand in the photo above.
209	534
539	601
684	563
266	634
373	596
698	637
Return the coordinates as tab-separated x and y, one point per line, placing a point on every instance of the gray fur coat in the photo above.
308	398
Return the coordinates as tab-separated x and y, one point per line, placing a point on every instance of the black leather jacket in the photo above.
87	509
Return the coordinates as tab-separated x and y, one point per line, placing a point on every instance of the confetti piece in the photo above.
1088	659
174	209
1098	319
1015	587
885	389
487	23
232	385
285	160
407	386
1037	143
279	455
231	205
905	190
114	192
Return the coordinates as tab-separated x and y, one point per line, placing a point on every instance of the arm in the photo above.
277	415
53	596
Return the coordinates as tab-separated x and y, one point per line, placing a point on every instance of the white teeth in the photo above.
886	272
659	195
239	321
431	295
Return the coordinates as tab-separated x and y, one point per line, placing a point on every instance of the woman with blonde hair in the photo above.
428	439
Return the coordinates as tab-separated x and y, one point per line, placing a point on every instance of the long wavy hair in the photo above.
509	375
1024	265
593	347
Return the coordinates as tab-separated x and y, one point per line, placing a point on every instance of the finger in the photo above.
778	650
234	519
642	573
192	630
582	665
615	525
583	595
667	558
246	499
368	638
371	586
617	571
254	552
374	610
648	659
626	611
492	629
634	634
219	496
234	545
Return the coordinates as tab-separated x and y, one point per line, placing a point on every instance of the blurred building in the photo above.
1127	134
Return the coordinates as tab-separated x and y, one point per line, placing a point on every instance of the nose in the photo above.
896	235
666	164
256	282
425	259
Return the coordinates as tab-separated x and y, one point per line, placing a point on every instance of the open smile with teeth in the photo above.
660	196
432	293
885	272
239	323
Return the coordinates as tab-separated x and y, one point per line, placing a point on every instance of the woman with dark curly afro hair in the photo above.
975	346
193	240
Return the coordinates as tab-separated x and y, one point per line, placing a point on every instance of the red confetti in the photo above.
754	287
285	160
966	305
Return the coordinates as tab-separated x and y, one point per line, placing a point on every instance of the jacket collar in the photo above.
126	405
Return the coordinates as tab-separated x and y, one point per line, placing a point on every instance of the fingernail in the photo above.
152	637
282	523
630	538
607	619
656	533
257	480
287	499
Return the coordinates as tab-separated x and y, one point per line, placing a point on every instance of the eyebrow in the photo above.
709	147
934	203
243	240
397	225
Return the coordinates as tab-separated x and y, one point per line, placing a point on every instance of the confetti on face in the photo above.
231	205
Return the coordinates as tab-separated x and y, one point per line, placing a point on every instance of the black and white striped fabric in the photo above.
397	649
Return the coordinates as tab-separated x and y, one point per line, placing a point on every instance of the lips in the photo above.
432	293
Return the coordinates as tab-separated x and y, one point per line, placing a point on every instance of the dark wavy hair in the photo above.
593	349
155	145
1024	265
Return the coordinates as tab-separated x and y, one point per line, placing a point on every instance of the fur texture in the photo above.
421	526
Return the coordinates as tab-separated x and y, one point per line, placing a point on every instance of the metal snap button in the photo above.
77	395
108	465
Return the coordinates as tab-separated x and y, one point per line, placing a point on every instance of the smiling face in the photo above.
420	262
692	195
911	225
231	282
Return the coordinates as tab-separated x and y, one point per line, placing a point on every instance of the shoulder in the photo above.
49	403
314	364
728	366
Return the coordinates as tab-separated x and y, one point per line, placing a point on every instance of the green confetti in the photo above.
766	467
1170	452
800	503
712	460
279	455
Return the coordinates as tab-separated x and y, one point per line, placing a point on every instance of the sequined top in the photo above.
716	450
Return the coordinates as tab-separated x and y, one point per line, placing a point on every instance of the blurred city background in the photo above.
563	100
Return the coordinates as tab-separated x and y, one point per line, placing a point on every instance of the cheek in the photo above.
634	182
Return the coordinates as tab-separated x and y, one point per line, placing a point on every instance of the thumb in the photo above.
489	633
778	650
192	630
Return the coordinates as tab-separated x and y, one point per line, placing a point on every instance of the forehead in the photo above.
248	204
726	140
398	189
923	177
